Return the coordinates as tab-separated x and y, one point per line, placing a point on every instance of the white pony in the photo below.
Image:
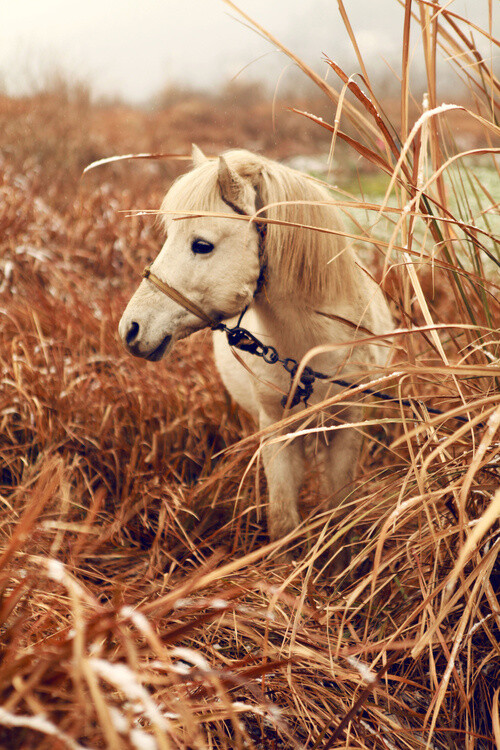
302	286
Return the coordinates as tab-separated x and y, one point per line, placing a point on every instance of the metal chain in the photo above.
246	341
242	339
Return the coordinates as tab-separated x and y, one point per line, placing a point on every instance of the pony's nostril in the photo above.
132	333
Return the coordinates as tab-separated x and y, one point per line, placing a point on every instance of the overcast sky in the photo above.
134	48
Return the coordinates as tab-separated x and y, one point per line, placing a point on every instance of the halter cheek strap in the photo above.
261	227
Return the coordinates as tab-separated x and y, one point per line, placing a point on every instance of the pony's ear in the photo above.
197	156
236	192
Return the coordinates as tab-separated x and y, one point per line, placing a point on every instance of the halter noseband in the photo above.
178	297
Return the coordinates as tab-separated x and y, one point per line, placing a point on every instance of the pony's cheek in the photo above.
246	294
235	303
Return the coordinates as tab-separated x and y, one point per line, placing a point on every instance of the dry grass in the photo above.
142	606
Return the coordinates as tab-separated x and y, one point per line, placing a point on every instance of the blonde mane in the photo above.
300	260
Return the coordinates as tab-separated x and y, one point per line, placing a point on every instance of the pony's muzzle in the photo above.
130	333
158	353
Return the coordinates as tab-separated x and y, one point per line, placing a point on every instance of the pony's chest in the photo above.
256	385
247	376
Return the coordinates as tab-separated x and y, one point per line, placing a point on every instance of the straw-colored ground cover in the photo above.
141	603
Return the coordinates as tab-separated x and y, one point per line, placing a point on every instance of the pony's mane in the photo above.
300	261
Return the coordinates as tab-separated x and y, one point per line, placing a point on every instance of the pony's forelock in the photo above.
196	190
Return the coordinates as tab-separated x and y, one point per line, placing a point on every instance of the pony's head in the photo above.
212	260
216	261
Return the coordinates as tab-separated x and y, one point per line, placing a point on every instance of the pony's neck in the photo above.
291	323
295	322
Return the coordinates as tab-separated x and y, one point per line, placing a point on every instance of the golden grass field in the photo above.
142	605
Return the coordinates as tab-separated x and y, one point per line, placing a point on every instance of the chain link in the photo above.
246	341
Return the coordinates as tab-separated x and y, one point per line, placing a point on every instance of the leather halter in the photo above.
191	306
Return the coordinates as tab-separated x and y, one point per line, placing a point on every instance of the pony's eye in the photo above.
202	247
